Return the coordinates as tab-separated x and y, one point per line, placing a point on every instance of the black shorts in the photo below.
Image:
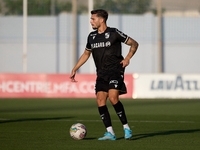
114	81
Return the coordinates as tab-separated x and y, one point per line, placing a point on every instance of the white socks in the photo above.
110	129
126	126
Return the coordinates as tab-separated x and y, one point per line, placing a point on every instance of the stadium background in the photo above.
51	50
38	103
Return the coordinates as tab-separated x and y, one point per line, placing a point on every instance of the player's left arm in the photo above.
134	45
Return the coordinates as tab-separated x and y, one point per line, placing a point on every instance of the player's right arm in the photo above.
80	62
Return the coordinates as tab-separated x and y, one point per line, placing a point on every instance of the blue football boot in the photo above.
108	136
128	134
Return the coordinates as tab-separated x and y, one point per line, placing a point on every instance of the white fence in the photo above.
50	43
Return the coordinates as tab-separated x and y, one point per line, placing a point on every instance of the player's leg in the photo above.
105	116
118	106
103	110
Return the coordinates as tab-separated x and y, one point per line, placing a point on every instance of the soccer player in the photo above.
105	45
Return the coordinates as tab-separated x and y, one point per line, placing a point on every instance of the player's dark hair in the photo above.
100	13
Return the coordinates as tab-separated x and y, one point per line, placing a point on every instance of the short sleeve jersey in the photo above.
106	48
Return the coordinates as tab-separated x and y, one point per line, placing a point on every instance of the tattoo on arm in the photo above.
132	51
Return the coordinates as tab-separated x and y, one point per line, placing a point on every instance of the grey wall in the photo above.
50	43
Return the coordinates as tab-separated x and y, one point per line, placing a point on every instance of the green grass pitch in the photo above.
43	124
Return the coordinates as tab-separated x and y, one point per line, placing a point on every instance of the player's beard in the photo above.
95	27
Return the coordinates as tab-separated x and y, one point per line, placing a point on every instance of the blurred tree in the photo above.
14	7
124	6
35	7
39	7
0	9
82	9
43	7
63	7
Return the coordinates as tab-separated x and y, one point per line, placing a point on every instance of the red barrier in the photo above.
21	85
61	86
52	85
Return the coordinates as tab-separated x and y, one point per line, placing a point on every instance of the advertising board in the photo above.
166	86
52	85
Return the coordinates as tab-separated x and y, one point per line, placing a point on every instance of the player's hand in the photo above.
72	77
125	63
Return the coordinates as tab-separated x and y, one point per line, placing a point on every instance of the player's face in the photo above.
95	21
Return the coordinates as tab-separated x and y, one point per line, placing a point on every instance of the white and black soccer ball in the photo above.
78	131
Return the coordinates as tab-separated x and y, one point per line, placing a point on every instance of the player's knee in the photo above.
101	98
101	102
113	99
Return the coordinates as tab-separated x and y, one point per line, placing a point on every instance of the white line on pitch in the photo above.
144	121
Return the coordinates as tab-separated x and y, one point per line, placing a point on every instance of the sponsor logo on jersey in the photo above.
93	34
113	81
108	44
101	44
98	45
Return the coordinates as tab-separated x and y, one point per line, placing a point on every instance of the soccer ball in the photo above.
78	131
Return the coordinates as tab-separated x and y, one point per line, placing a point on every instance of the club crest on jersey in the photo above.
107	35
